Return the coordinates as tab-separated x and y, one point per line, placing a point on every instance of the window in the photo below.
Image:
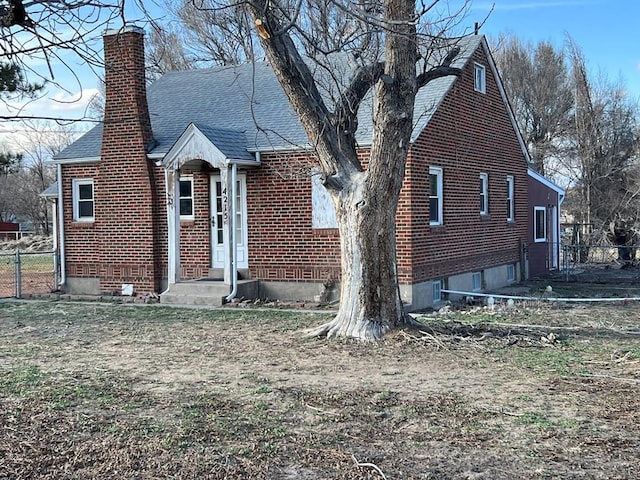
186	198
437	291
83	201
435	196
540	224
476	280
484	194
511	273
480	78
510	199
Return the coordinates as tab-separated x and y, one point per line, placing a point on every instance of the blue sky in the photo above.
604	29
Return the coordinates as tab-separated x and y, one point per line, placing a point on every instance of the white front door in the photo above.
219	240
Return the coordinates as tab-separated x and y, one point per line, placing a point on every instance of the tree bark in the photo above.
365	200
370	302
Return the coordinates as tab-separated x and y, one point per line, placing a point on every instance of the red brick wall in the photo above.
469	134
126	243
195	236
282	244
82	243
539	254
125	187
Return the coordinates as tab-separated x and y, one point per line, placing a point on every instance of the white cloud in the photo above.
57	104
68	102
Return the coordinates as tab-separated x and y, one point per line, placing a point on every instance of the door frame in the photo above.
219	251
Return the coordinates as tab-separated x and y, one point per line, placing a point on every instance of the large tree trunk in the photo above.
365	197
370	301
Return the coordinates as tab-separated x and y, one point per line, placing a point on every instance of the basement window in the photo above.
436	287
476	280
511	273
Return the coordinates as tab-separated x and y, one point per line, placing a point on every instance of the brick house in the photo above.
146	196
545	199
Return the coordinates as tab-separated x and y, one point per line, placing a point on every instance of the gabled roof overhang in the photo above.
215	146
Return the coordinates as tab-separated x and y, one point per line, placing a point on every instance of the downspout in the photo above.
173	226
61	261
233	239
56	261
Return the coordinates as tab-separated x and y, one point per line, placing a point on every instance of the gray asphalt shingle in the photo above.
248	100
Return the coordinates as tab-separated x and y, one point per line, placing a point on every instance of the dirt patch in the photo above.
123	391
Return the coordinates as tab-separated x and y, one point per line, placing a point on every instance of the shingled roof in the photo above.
247	99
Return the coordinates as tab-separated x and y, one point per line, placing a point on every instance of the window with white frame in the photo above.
510	198
435	196
539	224
186	198
476	281
436	288
511	273
480	78
83	200
484	194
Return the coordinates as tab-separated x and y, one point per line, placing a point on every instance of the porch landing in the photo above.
206	291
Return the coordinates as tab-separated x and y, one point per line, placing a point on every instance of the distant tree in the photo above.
166	51
24	175
13	83
9	162
540	89
606	147
39	141
37	33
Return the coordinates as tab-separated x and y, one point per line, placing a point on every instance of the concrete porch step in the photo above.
206	291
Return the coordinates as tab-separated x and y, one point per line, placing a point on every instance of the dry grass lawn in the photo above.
114	391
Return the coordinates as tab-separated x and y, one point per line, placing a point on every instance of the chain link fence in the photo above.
601	263
27	273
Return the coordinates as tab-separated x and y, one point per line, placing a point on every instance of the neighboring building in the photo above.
545	199
9	230
146	197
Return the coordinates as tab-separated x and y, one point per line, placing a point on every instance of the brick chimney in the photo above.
125	207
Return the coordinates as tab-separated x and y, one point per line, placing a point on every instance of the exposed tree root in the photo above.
361	329
365	330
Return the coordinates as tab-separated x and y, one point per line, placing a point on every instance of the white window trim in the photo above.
479	78
187	178
476	281
76	183
535	224
511	204
484	193
436	291
511	273
438	172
